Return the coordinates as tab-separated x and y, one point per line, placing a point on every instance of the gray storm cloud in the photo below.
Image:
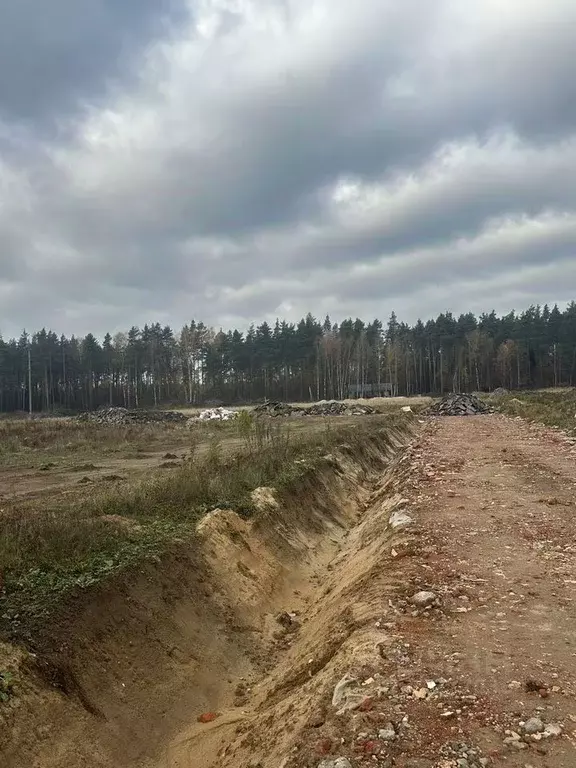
236	160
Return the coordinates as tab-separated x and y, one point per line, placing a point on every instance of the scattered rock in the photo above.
423	599
533	686
514	740
552	729
387	733
348	696
533	725
342	689
339	762
399	519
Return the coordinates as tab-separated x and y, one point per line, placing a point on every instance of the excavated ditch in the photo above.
225	653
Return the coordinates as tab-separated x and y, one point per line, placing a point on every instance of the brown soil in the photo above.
493	537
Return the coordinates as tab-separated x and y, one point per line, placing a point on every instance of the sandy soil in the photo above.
478	512
494	539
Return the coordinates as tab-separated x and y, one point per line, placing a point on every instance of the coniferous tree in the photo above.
302	361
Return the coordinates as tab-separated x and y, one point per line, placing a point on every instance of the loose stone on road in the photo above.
495	499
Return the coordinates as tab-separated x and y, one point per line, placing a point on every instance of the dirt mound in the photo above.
117	416
323	408
458	404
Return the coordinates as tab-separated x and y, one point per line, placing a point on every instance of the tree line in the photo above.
308	360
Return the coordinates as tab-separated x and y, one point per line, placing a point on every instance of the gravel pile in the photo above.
323	408
123	416
458	404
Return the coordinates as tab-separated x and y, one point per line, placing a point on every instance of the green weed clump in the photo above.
7	681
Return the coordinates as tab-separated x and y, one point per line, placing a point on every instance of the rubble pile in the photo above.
323	408
217	414
276	408
117	416
458	404
335	408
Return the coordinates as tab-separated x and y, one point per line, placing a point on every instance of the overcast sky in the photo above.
239	160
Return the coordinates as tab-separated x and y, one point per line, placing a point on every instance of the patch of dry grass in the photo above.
46	551
38	441
553	407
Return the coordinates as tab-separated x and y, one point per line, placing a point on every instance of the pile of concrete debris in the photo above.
323	408
275	408
336	408
117	416
458	404
217	414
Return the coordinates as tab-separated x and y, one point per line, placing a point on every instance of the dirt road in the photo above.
495	500
457	683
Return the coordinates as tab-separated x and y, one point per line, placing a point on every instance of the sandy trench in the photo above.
492	537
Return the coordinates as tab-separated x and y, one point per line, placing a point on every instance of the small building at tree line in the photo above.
370	390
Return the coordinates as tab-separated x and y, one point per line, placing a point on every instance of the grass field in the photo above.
553	407
81	501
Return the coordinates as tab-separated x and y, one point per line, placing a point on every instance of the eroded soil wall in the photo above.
122	677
